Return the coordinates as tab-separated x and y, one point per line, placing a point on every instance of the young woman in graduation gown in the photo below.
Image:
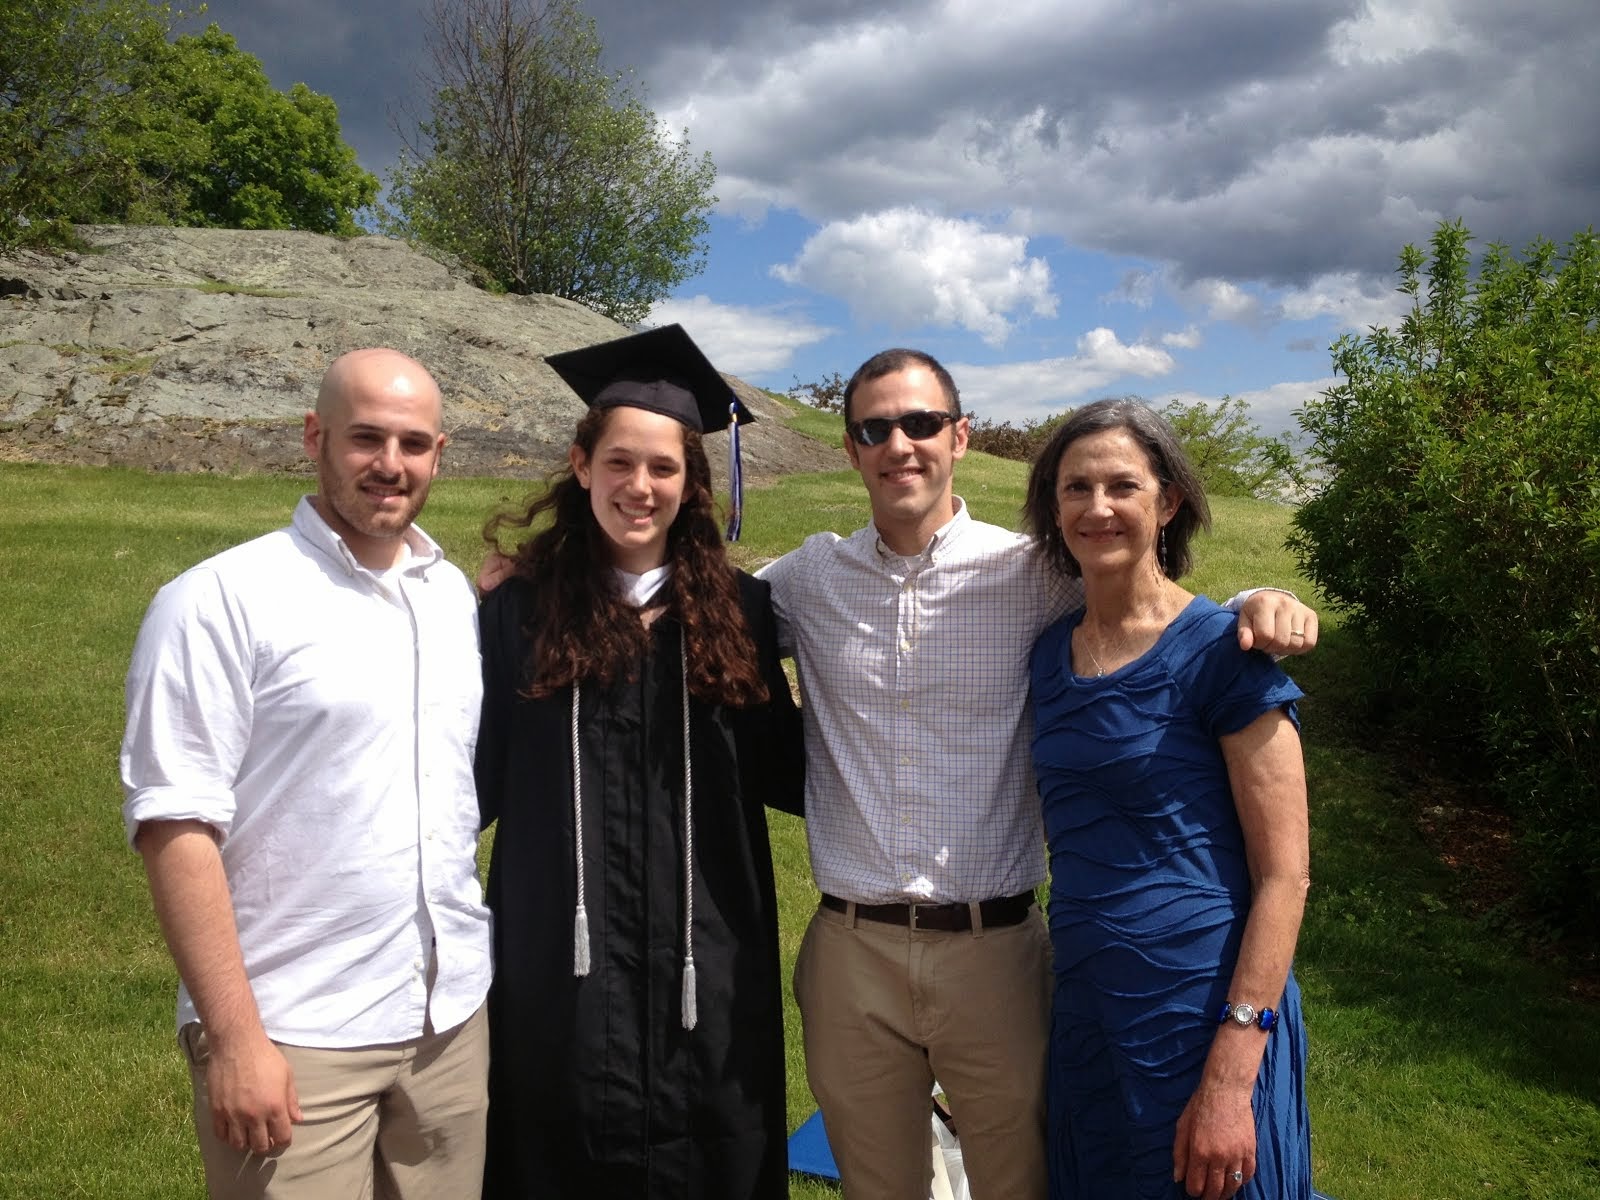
636	1013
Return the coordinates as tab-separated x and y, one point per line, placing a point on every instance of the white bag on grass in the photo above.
949	1174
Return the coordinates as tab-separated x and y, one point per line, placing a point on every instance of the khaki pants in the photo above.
887	1010
394	1122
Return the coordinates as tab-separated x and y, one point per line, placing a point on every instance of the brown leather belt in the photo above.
943	918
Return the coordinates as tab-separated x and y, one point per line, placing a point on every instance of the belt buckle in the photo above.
913	921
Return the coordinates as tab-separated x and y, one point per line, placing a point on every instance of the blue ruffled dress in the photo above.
1149	890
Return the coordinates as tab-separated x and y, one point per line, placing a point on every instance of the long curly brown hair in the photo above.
582	629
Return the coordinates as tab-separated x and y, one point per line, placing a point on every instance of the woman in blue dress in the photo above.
1169	765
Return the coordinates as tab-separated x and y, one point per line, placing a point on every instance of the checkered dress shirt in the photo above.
914	673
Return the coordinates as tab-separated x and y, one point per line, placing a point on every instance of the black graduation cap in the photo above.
660	370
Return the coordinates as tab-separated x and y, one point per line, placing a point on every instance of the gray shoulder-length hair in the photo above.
1167	460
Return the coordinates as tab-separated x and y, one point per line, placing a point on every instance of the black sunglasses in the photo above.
918	426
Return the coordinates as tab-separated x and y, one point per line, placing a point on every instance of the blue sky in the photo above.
1060	199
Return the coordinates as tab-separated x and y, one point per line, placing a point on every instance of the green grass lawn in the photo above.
1443	1064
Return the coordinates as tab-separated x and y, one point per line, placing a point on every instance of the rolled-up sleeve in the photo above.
189	701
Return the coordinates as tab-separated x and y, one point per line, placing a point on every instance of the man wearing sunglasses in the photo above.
927	956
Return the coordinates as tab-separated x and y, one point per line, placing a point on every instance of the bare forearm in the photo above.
1267	775
1266	952
195	909
249	1084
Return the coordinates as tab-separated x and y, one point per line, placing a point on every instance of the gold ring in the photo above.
1296	633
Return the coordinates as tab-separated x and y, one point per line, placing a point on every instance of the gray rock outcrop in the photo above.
201	349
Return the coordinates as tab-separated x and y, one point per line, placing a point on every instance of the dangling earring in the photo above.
1161	551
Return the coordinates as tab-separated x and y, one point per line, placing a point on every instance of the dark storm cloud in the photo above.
1238	139
362	53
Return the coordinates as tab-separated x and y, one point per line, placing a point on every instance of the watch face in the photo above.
1243	1014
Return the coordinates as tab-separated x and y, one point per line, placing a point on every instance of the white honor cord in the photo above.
580	920
690	1010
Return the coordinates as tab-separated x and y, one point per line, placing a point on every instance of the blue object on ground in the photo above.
810	1154
808	1149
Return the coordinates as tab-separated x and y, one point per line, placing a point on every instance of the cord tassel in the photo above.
580	942
735	476
580	918
690	1009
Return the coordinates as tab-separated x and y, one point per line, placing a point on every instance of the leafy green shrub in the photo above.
1458	518
1228	449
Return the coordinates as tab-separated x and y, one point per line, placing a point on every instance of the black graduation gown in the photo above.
595	1088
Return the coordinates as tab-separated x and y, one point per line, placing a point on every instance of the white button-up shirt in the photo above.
321	717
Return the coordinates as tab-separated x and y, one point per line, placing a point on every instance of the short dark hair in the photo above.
887	362
1167	460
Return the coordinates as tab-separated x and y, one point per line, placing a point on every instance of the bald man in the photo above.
298	777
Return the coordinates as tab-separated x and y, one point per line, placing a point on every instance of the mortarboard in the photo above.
661	371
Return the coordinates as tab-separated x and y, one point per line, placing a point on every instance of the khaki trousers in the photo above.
887	1010
394	1122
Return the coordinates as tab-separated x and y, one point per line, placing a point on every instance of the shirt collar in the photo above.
308	523
941	538
639	590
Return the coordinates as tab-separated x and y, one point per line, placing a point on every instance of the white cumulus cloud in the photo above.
909	268
1024	391
741	341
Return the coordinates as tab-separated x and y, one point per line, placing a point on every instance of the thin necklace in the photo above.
1122	642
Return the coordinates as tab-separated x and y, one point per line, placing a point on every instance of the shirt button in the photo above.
905	704
906	646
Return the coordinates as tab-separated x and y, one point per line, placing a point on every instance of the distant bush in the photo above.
826	393
1227	447
1459	521
1005	440
1232	455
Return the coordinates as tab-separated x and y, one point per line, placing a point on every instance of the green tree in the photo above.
102	118
1230	452
826	393
64	68
213	143
1458	519
542	171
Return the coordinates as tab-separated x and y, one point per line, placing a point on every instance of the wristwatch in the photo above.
1245	1015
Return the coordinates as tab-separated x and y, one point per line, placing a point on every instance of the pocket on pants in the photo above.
802	960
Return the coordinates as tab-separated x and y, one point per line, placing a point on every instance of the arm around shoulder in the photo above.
1273	620
782	760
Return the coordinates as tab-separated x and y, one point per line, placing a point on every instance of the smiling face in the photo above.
908	482
1110	506
376	439
635	479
